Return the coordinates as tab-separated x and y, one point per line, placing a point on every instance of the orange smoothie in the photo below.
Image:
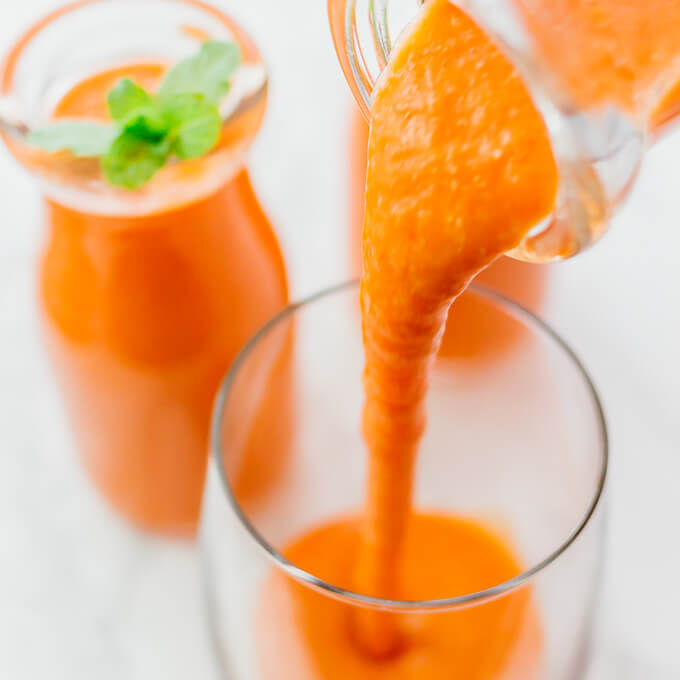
459	168
472	330
144	315
304	635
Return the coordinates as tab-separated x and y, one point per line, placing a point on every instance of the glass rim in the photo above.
360	599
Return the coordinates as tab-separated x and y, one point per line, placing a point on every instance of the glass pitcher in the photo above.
147	295
605	77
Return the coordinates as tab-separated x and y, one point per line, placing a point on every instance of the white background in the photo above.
82	596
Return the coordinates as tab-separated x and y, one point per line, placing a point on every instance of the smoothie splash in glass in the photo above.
149	288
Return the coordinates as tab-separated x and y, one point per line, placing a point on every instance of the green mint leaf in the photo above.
82	138
183	119
147	123
207	73
194	123
131	161
136	111
126	97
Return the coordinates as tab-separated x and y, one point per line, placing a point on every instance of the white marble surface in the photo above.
82	596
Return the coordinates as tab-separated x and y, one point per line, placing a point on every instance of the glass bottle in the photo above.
147	295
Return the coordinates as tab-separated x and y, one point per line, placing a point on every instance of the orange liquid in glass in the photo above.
144	315
304	635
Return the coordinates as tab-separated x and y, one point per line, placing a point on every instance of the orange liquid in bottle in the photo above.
144	315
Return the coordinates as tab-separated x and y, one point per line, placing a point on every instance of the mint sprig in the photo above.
81	138
181	120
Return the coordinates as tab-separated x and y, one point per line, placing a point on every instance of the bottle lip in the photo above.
77	182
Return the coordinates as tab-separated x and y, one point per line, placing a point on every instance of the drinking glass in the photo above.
519	445
599	136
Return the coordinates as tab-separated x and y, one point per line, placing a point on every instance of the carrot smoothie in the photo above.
440	555
144	315
472	330
460	167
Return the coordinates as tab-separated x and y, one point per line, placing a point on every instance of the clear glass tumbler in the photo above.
518	444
